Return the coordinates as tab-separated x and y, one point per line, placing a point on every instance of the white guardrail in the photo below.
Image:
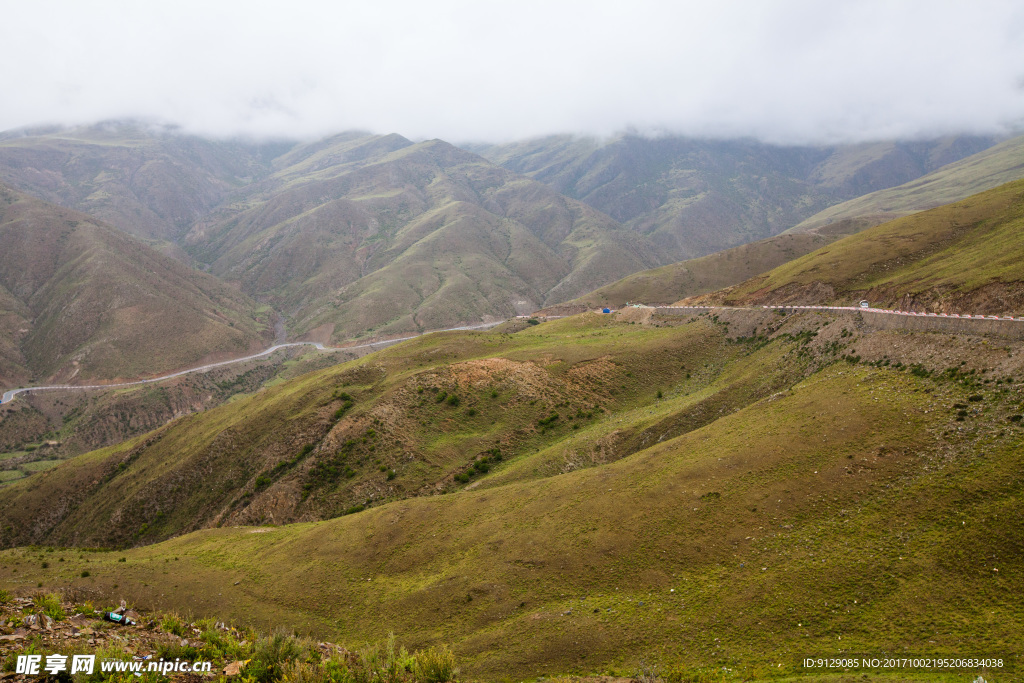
9	395
863	309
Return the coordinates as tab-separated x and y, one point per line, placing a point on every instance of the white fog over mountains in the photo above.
789	72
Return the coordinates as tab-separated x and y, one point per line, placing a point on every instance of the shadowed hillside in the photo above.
38	430
81	300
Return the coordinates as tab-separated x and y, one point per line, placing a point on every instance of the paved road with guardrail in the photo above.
864	309
1006	326
9	395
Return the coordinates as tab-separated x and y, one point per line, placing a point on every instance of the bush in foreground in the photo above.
243	655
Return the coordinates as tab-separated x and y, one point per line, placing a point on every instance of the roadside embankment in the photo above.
873	318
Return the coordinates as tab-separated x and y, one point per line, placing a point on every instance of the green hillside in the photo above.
774	500
961	258
705	274
977	173
81	300
404	422
365	234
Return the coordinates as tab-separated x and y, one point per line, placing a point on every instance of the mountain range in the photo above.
585	494
359	235
150	182
378	235
985	170
691	197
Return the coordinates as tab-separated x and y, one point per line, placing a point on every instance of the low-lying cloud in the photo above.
783	71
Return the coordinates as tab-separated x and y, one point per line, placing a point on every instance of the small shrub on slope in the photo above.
436	665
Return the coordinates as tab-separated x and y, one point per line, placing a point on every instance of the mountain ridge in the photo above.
693	277
410	236
693	197
91	302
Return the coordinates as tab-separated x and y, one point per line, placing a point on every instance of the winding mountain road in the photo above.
952	316
11	394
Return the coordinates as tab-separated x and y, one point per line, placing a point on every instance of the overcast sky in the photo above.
784	71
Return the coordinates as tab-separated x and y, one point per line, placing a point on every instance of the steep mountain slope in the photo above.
701	275
982	171
14	324
149	182
376	234
689	278
82	300
359	234
694	197
965	257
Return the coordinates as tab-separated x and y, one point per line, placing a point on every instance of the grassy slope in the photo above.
828	512
397	423
770	503
90	302
705	274
376	234
964	257
977	173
